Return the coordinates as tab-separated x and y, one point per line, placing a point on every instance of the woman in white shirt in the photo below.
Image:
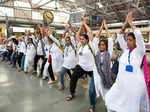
129	92
30	54
56	56
85	56
56	59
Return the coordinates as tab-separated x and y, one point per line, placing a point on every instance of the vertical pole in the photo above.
7	26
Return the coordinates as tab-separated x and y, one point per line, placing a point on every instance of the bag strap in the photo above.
74	49
62	49
91	50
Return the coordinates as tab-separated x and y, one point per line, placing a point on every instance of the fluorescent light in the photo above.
72	0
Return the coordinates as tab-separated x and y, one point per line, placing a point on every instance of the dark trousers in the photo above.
51	74
78	73
9	54
43	64
13	59
19	57
36	59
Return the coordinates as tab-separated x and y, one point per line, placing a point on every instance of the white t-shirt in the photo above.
69	58
23	47
86	58
31	51
39	48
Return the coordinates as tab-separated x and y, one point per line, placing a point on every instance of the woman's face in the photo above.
83	40
68	42
102	46
131	42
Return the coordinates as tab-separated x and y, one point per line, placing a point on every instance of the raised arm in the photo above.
106	28
99	31
88	29
124	26
71	27
130	21
120	36
66	30
110	40
78	33
138	35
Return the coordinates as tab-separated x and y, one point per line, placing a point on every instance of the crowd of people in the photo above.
80	54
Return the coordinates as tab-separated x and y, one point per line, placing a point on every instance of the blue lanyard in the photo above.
129	56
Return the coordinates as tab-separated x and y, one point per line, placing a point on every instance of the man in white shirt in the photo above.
69	61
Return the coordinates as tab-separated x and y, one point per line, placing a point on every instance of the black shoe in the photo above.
26	72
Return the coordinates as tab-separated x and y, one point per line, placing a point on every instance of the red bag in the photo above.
49	59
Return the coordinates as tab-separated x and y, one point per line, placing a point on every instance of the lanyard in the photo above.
82	48
101	56
67	48
129	56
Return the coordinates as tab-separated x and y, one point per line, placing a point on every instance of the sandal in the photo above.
61	88
69	98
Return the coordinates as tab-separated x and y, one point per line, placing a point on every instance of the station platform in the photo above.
21	92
